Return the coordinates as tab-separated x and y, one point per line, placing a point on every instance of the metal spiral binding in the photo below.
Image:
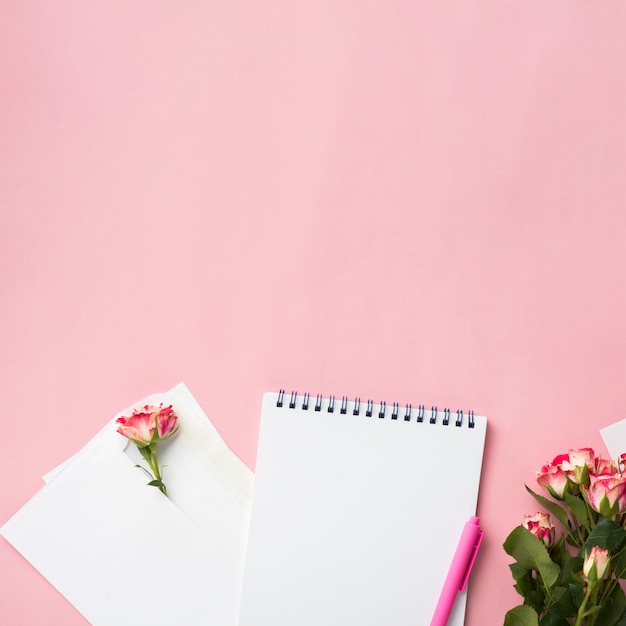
420	412
331	404
433	415
344	405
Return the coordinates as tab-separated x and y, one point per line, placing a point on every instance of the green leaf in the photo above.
531	553
552	619
552	507
570	568
607	535
146	453
613	608
156	483
577	507
521	616
536	599
577	593
518	571
618	563
582	474
141	467
622	620
524	579
563	605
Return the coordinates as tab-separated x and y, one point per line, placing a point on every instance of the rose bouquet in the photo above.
146	427
572	577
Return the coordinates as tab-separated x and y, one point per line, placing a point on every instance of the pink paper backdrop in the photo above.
421	202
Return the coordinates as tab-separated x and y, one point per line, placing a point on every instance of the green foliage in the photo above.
607	534
146	453
622	620
141	467
524	577
552	584
552	619
570	568
531	554
613	607
564	604
521	616
618	563
548	566
552	507
577	506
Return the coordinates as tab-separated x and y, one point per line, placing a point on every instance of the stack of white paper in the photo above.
122	552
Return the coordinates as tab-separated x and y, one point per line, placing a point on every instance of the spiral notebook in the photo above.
357	511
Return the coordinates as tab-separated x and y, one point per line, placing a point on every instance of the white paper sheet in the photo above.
614	437
122	552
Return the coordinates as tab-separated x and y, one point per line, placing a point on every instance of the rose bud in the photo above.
541	526
554	480
607	494
596	565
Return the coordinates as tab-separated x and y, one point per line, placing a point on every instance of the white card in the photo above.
121	551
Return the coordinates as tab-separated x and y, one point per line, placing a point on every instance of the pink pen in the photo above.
459	571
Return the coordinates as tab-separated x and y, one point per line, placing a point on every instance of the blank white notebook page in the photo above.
355	518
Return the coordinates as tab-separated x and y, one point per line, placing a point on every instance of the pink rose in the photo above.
567	472
560	459
596	564
606	494
541	526
139	427
166	422
148	424
554	480
577	464
146	427
604	466
581	457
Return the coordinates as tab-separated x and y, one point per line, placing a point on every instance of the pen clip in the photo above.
470	562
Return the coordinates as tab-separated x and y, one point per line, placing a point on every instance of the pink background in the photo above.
421	202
